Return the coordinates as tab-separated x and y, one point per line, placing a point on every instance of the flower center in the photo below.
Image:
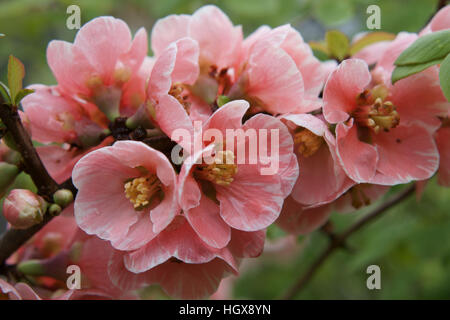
177	91
375	112
140	191
221	171
308	143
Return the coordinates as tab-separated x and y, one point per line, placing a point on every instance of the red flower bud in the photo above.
23	209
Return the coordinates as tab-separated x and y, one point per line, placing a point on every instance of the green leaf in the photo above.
4	91
401	72
319	54
444	77
337	43
16	73
221	100
369	39
22	94
425	49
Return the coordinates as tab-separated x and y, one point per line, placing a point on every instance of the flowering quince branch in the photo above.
335	136
338	240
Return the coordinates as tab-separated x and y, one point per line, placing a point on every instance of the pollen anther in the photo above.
221	171
140	191
308	142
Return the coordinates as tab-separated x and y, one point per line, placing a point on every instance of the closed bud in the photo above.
54	209
63	197
23	209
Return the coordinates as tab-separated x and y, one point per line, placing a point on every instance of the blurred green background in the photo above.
411	243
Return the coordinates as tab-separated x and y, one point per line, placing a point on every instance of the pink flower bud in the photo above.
23	209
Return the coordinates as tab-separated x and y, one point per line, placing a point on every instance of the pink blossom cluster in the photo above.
346	134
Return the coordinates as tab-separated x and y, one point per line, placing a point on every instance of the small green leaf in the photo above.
319	54
4	91
401	72
22	94
321	46
425	49
337	43
221	100
369	39
444	77
16	73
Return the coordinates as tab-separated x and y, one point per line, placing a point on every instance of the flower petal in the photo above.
94	42
358	159
297	220
167	30
343	87
274	79
406	153
216	36
207	223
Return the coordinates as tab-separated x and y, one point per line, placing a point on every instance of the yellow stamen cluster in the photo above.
176	91
308	143
221	171
375	112
140	191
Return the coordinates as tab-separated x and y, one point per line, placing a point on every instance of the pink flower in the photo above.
175	68
216	48
218	39
126	194
20	291
185	266
56	118
280	71
23	209
158	245
97	66
274	69
384	131
245	198
321	178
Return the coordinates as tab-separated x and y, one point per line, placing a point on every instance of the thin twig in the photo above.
13	239
32	163
441	4
339	239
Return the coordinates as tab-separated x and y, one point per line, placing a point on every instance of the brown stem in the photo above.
12	239
441	4
339	240
32	163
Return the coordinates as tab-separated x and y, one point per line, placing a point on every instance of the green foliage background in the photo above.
411	243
